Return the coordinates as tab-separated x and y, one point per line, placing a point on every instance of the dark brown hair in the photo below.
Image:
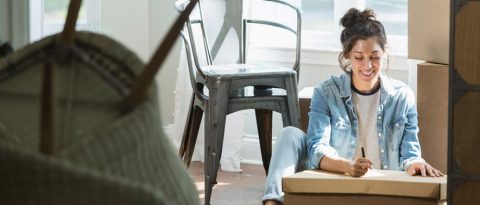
359	25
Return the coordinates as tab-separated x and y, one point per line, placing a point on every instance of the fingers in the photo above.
365	160
364	166
415	168
423	171
429	170
411	171
436	172
359	172
359	169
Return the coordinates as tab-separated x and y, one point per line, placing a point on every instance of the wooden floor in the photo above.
233	188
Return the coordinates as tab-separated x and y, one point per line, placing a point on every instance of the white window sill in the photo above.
313	56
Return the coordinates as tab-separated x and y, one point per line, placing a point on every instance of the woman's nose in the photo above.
368	63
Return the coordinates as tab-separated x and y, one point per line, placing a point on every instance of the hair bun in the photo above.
354	16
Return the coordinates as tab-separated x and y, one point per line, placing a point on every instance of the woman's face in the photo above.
366	59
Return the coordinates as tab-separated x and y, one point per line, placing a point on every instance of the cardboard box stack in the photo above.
428	40
432	106
428	30
376	187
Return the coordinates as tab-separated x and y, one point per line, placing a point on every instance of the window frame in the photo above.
39	30
325	42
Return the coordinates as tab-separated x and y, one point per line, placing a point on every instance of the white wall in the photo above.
14	22
140	25
4	20
127	22
162	14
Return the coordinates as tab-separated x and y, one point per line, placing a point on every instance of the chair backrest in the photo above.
191	35
103	155
243	34
192	50
296	31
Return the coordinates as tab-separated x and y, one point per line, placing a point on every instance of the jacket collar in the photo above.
386	85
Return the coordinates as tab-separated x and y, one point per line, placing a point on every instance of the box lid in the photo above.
375	182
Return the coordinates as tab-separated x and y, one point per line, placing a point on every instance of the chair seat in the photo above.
251	91
246	70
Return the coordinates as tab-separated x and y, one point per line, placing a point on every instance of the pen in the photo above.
363	156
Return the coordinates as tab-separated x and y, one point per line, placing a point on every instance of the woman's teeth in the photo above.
367	73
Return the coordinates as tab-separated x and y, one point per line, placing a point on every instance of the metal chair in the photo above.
228	91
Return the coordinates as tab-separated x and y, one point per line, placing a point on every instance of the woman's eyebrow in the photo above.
376	51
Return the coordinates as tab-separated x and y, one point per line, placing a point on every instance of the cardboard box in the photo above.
376	187
429	30
432	107
305	96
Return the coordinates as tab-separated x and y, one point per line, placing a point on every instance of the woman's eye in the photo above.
358	58
375	58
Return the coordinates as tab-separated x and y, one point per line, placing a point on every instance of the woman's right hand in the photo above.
359	167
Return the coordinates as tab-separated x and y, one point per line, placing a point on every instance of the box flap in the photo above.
375	182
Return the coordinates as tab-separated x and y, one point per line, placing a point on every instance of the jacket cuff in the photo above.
318	155
406	163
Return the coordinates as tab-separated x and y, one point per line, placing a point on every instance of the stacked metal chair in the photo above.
222	89
79	124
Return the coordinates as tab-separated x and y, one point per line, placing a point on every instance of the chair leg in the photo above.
192	138
264	126
292	99
186	131
285	114
215	116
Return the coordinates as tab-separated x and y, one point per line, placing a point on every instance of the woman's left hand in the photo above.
424	169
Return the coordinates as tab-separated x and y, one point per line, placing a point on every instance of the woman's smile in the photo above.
367	74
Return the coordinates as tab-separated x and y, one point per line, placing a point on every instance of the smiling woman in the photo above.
358	120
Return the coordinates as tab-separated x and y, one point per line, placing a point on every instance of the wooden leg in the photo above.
192	138
264	126
186	131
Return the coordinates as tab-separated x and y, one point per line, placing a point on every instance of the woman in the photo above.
361	112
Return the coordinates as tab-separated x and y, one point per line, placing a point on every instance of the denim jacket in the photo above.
333	124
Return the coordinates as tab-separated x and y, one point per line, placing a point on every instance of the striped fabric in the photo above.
104	155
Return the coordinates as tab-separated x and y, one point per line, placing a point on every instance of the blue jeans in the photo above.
289	156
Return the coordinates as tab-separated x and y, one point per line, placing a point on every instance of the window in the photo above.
318	15
321	29
393	15
48	17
